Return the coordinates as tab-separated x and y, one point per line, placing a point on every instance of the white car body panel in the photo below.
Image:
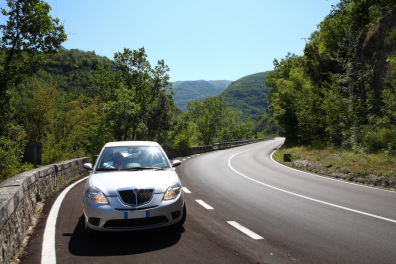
110	182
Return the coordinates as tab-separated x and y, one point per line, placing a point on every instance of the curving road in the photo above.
243	208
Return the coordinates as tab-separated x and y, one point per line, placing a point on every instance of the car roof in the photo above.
131	143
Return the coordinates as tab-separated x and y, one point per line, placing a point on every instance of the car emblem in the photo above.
136	190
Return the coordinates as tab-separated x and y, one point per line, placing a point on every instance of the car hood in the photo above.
110	182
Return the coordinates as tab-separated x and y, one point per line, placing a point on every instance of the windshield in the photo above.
129	157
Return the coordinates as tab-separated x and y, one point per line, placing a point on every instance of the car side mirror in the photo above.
176	163
88	166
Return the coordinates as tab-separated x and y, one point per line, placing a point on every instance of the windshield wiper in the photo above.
144	168
106	169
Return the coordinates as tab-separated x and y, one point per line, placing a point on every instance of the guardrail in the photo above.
181	152
237	142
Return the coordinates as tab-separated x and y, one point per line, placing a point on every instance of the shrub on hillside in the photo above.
381	139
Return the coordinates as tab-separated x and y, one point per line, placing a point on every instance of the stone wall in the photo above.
19	195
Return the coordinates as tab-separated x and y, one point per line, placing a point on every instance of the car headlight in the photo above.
96	196
173	191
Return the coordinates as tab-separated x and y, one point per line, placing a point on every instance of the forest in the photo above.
342	92
74	101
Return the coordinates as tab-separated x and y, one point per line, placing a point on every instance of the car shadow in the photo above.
121	243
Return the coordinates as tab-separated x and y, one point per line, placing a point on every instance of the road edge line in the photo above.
306	197
48	253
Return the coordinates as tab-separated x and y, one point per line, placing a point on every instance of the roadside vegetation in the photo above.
336	103
368	169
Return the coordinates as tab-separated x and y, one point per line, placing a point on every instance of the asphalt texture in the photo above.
296	213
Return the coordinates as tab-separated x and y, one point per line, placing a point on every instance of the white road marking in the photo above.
305	197
186	190
48	255
184	159
245	230
207	206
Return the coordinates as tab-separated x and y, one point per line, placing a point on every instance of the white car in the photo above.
133	186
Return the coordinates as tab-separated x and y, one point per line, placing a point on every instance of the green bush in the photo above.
381	139
12	147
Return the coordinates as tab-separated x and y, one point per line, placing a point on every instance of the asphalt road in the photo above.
294	217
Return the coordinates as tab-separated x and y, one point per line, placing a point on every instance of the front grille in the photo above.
135	196
136	209
137	222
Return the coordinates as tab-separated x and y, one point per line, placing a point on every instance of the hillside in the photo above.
248	95
70	69
188	91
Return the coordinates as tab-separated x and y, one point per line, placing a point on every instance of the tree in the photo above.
136	98
146	82
208	114
38	112
28	37
159	116
118	108
70	128
283	96
184	134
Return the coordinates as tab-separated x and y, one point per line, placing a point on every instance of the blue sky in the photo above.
199	40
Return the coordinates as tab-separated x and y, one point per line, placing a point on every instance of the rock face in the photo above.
376	49
19	196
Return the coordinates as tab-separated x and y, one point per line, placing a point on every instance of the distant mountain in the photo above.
188	91
248	95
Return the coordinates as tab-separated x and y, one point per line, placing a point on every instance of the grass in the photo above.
371	169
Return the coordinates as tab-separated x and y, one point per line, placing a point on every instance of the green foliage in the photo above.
75	101
248	95
38	113
266	125
383	139
160	117
208	115
283	97
213	120
29	35
184	133
136	98
69	129
330	95
12	146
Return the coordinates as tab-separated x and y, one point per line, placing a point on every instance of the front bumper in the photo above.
115	216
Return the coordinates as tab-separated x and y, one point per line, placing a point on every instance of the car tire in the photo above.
183	219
